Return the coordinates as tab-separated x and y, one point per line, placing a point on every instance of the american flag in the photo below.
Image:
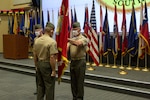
94	52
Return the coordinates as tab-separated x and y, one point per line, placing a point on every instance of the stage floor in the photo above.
111	72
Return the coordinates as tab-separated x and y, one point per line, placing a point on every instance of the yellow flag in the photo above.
15	27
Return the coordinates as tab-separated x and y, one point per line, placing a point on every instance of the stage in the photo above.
133	83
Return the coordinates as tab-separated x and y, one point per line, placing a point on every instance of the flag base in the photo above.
30	57
87	63
137	68
90	69
93	64
122	72
107	65
114	66
101	65
121	67
129	68
145	70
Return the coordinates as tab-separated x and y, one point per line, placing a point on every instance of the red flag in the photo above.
101	33
124	31
62	38
86	26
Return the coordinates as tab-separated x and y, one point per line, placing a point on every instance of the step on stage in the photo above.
135	83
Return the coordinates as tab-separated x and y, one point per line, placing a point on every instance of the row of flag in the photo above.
102	45
97	45
11	12
129	44
25	21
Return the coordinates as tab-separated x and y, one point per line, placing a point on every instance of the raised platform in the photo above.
134	82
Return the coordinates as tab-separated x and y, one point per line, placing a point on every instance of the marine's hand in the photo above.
71	40
53	73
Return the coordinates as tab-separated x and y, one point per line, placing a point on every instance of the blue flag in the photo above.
9	25
38	18
72	20
48	16
31	23
75	16
22	26
107	46
22	23
42	20
12	24
132	37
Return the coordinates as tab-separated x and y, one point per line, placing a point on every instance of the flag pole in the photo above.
145	69
88	61
90	68
137	66
129	66
114	66
107	62
100	64
122	69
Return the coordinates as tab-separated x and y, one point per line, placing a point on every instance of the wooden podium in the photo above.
15	46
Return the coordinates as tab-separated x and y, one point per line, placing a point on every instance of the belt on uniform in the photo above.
78	58
43	60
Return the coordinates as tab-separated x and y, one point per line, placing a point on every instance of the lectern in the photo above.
15	46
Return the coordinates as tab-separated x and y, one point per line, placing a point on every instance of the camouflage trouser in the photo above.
77	74
46	83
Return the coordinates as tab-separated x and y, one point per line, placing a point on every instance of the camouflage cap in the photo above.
38	26
49	24
76	25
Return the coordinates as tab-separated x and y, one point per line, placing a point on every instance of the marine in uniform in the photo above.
45	55
38	32
77	47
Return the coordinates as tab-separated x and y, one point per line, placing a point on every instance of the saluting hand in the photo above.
75	42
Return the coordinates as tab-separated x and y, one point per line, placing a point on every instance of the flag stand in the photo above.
31	55
137	66
145	69
93	64
123	72
87	63
107	62
100	61
129	66
114	66
90	68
